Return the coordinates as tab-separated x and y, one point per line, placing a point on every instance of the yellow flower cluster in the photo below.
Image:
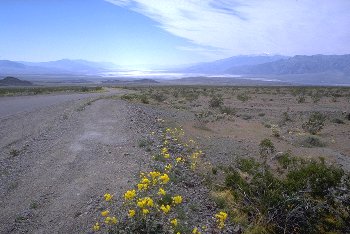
168	167
161	192
144	202
108	197
111	220
105	213
174	222
164	179
165	208
96	227
131	213
221	218
177	200
149	196
130	194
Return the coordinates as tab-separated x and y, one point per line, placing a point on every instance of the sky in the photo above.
145	33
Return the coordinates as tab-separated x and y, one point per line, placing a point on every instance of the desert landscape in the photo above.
175	117
59	156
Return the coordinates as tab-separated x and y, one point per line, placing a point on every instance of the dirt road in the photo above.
57	160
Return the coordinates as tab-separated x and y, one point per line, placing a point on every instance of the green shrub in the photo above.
315	123
216	101
312	197
301	99
266	148
159	97
227	110
243	97
312	141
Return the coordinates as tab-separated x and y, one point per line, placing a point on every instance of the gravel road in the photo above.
59	156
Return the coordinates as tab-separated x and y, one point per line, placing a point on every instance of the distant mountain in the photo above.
300	64
139	81
12	81
223	65
64	66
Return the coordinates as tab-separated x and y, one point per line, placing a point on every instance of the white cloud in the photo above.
256	26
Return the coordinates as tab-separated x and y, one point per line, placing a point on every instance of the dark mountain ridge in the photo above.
12	81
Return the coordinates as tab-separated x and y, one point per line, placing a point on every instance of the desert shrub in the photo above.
144	99
337	121
227	110
216	101
243	97
316	98
130	97
301	99
275	131
312	197
266	148
285	160
312	141
315	123
84	89
159	97
286	117
14	152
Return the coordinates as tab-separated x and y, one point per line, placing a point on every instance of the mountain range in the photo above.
63	66
303	69
222	66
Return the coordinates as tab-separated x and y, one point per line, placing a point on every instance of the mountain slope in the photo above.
12	81
221	66
300	64
64	66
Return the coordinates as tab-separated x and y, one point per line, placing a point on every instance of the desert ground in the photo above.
61	152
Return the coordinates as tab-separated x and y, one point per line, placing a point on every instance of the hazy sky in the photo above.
134	32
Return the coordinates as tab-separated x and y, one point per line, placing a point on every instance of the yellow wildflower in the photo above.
131	213
105	213
166	155
110	220
161	192
165	209
195	231
177	199
130	194
146	201
164	150
145	211
145	181
220	218
142	186
149	201
168	167
114	220
164	178
174	222
96	227
178	159
154	174
108	197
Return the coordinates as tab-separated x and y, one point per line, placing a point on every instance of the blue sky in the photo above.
141	33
